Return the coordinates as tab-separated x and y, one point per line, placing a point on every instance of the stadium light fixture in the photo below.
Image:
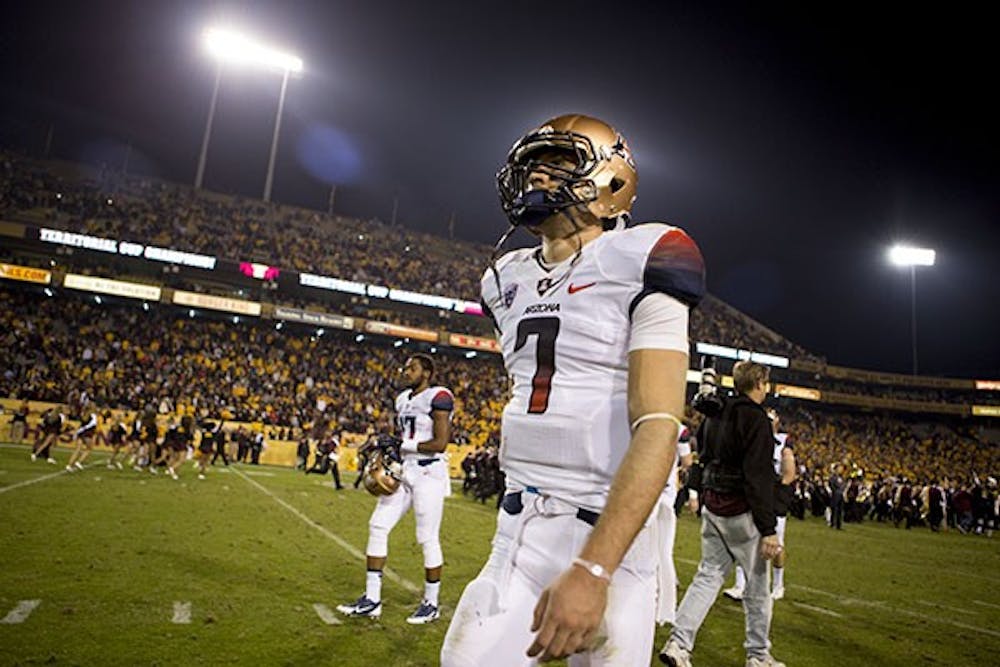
904	255
907	256
227	46
230	46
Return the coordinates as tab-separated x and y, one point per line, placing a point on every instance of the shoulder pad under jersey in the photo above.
661	257
442	400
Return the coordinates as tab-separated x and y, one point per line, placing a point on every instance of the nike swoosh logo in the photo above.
573	289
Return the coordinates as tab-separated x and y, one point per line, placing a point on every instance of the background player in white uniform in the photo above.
423	417
593	325
784	469
666	532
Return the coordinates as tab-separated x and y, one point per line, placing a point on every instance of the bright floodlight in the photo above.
903	255
233	47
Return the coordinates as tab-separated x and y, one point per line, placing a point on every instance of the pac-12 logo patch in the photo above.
509	294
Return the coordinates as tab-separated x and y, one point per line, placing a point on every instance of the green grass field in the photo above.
109	553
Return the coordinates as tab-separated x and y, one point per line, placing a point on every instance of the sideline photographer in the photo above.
738	522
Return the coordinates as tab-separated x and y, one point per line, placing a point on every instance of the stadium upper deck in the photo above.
220	236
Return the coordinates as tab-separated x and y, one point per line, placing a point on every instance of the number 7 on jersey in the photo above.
547	329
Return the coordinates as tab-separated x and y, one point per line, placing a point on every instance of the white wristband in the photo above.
409	447
594	569
656	415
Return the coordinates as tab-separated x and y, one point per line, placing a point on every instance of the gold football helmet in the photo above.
595	170
382	475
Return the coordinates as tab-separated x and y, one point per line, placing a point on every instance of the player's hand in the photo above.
770	547
568	615
389	444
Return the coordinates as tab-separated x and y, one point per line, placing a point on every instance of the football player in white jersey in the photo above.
423	417
785	471
593	325
666	532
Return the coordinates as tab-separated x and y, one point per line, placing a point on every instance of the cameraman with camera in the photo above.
738	522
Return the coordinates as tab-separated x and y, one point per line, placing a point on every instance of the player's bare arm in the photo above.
788	473
569	611
442	433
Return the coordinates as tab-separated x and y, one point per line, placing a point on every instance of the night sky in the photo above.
793	142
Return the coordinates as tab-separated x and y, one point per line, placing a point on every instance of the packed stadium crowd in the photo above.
55	349
881	446
924	394
875	466
114	205
844	495
126	357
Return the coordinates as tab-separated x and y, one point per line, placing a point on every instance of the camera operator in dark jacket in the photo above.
736	447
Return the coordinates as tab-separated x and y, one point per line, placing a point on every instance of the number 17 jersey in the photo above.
564	332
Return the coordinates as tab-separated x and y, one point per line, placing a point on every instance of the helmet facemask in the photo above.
597	177
528	207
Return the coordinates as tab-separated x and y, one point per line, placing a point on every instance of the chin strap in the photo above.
496	254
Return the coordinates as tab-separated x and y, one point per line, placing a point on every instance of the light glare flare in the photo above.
904	255
234	47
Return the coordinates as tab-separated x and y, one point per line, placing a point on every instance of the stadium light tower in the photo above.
226	46
909	256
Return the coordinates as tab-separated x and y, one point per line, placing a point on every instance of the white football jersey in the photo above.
673	482
780	440
564	332
413	415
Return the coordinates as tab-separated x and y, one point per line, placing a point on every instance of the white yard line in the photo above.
326	614
938	605
818	610
341	542
877	604
986	604
182	613
33	481
846	600
53	475
20	612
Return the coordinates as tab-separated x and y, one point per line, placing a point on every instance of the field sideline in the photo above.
116	557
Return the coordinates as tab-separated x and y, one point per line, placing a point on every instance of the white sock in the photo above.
431	590
779	577
373	585
741	578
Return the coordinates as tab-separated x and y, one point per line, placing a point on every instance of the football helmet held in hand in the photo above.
383	473
389	444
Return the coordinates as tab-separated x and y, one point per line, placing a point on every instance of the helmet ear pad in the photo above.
381	476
